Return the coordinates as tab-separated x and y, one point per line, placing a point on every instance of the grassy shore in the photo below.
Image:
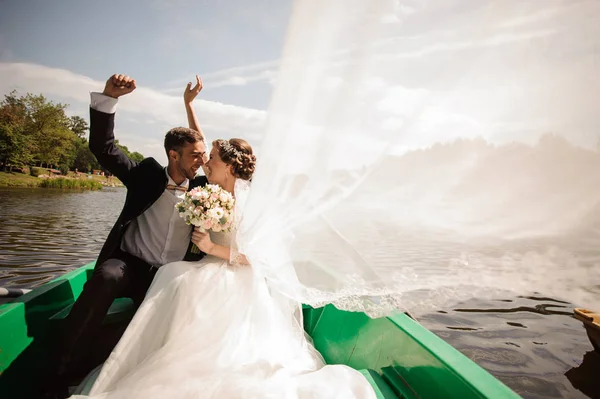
16	179
73	184
72	181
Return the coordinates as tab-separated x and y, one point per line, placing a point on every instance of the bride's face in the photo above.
217	171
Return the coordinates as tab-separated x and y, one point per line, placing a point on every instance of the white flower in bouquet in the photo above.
209	208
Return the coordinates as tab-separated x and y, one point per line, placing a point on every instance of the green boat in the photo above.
399	357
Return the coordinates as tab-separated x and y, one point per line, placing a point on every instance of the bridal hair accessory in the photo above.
208	208
228	148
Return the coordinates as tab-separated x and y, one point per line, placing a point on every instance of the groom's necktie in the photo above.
176	188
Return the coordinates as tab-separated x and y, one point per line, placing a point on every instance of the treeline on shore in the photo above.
37	133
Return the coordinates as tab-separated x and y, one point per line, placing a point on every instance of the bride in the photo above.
215	329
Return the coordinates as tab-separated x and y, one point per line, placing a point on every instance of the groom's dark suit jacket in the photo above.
145	181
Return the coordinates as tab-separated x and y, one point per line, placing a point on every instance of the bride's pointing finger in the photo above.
198	86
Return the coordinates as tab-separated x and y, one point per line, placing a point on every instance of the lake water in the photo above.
531	343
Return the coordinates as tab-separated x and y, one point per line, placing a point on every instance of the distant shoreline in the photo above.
71	181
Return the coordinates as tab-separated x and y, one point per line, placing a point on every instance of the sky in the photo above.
67	49
426	71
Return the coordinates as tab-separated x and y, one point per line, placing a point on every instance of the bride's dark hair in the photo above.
237	153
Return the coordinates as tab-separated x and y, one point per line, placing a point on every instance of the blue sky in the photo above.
162	44
510	70
158	42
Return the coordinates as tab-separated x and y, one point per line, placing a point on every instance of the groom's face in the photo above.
190	158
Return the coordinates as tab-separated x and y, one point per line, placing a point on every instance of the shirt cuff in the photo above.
103	103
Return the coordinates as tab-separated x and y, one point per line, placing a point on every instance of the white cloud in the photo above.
455	45
235	76
402	47
420	117
267	71
143	107
552	13
242	80
400	9
538	15
399	100
243	70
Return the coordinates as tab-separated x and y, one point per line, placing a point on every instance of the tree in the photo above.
16	146
85	161
79	126
136	156
36	130
50	126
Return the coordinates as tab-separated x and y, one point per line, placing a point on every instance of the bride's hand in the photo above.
190	92
202	241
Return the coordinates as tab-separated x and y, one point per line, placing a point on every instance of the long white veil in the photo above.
420	153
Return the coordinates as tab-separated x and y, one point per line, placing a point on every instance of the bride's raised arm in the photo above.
189	95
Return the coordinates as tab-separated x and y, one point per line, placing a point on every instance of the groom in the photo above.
148	233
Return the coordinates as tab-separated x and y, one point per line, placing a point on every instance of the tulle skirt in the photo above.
208	329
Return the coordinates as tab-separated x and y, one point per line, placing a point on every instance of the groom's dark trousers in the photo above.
117	273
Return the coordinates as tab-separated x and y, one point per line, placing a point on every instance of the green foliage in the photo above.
64	169
16	144
84	160
78	126
135	156
35	172
37	131
16	179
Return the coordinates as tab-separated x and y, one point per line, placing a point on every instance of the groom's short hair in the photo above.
176	138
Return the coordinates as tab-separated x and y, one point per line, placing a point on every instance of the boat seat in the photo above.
382	390
121	309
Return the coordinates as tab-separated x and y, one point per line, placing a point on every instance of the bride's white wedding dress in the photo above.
210	329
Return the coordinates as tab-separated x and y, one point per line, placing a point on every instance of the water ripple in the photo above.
46	233
531	346
531	343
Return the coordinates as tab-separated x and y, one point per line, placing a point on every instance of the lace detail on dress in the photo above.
237	258
227	240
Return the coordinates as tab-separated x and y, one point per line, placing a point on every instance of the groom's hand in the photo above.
119	85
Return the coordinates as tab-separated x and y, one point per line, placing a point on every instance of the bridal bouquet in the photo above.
209	208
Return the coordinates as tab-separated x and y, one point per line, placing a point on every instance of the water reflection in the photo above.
580	376
530	346
46	233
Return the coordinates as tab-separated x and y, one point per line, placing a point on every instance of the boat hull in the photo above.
397	355
591	322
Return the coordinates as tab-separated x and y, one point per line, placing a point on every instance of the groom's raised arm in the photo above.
102	124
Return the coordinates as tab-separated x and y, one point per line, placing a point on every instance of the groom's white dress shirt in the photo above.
158	236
